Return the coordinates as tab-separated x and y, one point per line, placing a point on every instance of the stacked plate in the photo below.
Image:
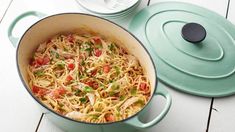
113	9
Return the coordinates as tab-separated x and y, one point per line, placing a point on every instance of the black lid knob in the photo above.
193	32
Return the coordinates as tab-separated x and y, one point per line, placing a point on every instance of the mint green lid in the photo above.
205	68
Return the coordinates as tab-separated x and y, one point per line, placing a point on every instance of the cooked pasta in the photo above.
88	78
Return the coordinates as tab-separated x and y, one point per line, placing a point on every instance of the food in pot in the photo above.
88	78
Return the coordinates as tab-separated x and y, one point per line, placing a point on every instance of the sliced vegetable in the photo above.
83	100
39	73
106	68
133	91
117	69
109	118
97	52
97	40
143	87
61	65
69	78
91	98
87	89
71	66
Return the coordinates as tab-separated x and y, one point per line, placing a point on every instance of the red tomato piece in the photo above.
97	52
42	92
106	69
39	61
46	60
35	89
109	118
62	91
97	40
55	94
71	66
69	78
143	87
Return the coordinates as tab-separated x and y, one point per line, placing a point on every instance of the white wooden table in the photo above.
19	113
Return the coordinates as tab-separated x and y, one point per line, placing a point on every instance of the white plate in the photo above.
99	6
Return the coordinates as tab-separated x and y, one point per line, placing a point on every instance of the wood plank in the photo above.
3	7
18	110
188	113
223	114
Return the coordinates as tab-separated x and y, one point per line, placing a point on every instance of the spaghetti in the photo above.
88	78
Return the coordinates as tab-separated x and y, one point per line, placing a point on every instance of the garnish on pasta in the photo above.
88	78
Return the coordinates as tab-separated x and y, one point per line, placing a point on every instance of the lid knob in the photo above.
193	32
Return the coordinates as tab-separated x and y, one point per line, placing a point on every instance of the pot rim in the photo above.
44	106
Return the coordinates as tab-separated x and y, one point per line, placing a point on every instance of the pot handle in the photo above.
14	39
138	124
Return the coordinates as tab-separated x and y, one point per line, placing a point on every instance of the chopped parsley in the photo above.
83	100
87	89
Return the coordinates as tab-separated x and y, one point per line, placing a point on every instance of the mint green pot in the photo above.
68	22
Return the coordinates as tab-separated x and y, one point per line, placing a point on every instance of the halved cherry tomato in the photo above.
97	52
71	66
106	69
109	118
69	78
97	40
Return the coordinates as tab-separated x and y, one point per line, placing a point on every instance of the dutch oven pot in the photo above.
67	22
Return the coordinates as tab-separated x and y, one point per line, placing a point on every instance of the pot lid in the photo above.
193	48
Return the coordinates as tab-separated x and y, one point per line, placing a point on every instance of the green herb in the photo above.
117	69
111	93
115	87
57	55
61	65
100	72
134	90
88	43
141	102
83	63
65	49
78	91
95	116
87	89
122	97
110	81
83	100
111	46
88	50
39	73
